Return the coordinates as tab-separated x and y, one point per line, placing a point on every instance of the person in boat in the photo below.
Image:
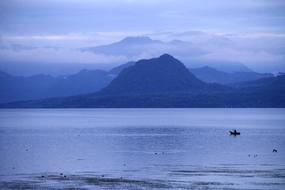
234	132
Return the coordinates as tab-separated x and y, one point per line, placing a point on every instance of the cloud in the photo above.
250	31
69	40
247	57
52	37
51	16
50	55
252	49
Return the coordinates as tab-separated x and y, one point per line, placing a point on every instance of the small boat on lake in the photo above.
234	132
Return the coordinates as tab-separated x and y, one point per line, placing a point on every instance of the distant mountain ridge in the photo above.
15	88
211	75
140	46
166	82
129	46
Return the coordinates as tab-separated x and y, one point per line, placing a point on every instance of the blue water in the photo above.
142	149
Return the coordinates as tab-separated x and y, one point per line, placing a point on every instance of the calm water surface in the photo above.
142	149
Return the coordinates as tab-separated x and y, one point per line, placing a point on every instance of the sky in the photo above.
251	32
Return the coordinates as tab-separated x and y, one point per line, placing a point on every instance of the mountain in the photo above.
85	81
129	46
157	82
24	68
265	92
225	66
157	75
14	88
269	83
143	46
166	82
190	53
211	75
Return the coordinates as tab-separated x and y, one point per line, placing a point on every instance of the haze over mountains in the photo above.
145	47
15	88
88	79
166	82
211	75
192	54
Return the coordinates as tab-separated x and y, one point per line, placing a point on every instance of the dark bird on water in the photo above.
274	150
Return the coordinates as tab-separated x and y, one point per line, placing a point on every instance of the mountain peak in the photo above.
137	39
166	56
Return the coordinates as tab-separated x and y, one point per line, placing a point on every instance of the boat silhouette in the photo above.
234	132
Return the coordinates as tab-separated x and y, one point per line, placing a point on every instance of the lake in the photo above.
142	149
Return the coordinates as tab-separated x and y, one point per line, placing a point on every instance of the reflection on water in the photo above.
142	149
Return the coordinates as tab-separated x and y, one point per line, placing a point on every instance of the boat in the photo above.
234	132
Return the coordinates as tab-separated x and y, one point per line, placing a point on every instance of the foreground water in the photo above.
142	149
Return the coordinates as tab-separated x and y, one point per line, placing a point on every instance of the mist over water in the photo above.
142	149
